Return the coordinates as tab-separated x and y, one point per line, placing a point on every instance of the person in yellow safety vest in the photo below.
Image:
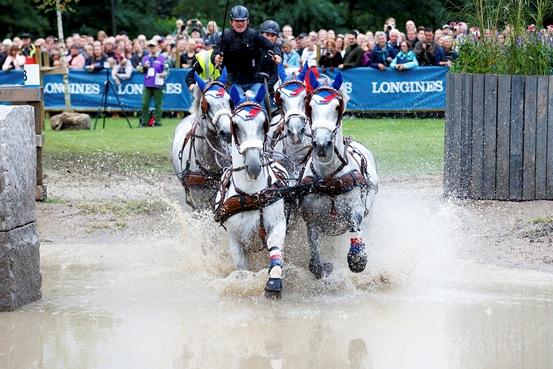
204	67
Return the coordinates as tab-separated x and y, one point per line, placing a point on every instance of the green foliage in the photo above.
524	52
151	17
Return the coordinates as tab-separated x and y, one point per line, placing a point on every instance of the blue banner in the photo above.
419	89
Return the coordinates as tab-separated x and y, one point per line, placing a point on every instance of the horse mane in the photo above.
196	106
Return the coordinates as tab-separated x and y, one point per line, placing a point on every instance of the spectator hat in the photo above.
152	42
208	41
302	35
7	42
25	35
446	26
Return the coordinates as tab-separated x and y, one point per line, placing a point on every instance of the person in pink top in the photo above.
75	60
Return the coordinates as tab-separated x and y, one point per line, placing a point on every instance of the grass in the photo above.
403	147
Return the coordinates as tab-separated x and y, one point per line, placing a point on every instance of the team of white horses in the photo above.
252	173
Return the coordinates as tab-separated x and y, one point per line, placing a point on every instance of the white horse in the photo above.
340	179
249	204
289	133
200	144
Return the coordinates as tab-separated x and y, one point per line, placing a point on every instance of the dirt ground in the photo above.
123	208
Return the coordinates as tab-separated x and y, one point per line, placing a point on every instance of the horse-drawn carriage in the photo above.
253	172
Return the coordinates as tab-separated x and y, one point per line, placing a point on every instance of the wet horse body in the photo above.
340	177
249	204
289	133
200	144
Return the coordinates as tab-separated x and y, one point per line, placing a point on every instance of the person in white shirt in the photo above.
122	71
309	53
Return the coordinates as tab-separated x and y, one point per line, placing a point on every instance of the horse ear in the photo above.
303	71
337	81
223	77
281	73
199	81
260	95
313	80
235	95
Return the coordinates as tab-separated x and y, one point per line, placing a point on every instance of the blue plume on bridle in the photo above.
301	75
201	83
237	98
223	77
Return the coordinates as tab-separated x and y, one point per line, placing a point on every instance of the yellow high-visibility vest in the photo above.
209	72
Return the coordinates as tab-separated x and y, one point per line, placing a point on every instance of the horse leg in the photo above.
316	267
357	256
237	254
275	243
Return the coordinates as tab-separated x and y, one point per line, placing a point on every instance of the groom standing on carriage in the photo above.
240	50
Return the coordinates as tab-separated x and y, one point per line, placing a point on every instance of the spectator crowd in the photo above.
398	48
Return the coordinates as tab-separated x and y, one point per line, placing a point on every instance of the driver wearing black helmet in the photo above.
240	50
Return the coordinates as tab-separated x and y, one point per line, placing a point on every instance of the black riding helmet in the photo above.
269	26
239	12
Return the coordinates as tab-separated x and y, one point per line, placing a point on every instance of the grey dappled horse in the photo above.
289	134
200	144
341	178
250	205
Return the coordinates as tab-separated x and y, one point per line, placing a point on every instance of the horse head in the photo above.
290	97
324	108
215	105
249	127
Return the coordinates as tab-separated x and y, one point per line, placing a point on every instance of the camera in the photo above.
389	28
328	54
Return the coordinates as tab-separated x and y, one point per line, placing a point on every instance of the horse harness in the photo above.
242	201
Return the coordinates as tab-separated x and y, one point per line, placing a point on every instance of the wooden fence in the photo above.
499	137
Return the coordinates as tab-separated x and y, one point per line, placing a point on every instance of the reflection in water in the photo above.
172	304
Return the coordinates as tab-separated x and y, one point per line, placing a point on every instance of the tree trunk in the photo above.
66	94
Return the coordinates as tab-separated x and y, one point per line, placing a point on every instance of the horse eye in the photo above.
329	143
302	130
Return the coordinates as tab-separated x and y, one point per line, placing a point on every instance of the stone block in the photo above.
17	166
20	278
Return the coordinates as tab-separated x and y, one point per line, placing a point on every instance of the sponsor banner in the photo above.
420	89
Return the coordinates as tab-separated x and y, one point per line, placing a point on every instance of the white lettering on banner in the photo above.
95	89
406	87
74	88
348	87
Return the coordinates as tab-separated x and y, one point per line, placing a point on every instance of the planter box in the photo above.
499	137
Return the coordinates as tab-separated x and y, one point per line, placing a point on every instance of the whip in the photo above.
222	52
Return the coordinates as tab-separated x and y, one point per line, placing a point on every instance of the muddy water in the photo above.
171	299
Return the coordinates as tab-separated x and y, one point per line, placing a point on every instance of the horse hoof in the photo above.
357	261
273	295
321	270
328	268
273	289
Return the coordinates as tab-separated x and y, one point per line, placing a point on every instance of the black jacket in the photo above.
242	54
267	65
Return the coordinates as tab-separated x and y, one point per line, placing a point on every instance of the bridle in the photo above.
250	144
205	105
278	134
278	100
340	108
